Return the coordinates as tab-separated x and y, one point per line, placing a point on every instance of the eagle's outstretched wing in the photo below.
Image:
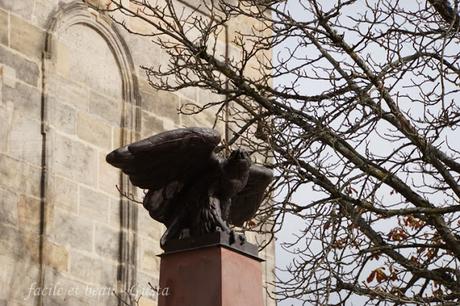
154	162
164	163
245	204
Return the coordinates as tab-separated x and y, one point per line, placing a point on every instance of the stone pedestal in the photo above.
211	272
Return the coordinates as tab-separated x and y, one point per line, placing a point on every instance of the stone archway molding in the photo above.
66	16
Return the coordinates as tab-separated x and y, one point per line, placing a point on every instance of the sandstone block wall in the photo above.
70	91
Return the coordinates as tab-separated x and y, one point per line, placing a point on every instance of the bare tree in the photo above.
354	101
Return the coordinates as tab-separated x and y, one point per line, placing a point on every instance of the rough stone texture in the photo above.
4	27
162	103
94	205
151	229
95	54
24	139
84	268
75	160
83	89
26	38
68	92
6	118
23	8
114	212
26	70
73	231
150	262
28	210
41	12
19	177
18	264
26	100
65	194
9	76
151	124
64	118
8	208
106	108
56	256
94	131
107	242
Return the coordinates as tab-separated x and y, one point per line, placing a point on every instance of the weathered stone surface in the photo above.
14	289
94	131
64	118
144	53
72	230
19	244
4	28
99	3
150	262
1	89
160	103
75	160
20	177
114	213
6	118
151	228
8	208
205	97
56	256
65	194
93	270
23	8
93	205
8	75
26	38
150	124
26	70
117	136
189	93
68	92
107	242
27	99
25	139
29	214
85	62
72	292
61	60
106	108
42	11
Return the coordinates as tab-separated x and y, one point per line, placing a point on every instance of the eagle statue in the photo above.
190	189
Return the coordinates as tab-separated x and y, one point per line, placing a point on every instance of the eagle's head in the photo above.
238	160
235	172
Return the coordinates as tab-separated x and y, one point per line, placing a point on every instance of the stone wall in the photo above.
71	91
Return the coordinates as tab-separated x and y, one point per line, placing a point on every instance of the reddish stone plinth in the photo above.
211	276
